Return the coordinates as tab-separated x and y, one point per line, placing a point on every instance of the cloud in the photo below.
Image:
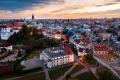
15	5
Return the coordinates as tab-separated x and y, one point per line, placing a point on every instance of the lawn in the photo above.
18	47
76	69
9	75
37	76
36	53
54	74
88	75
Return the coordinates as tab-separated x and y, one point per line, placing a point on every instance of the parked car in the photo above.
23	66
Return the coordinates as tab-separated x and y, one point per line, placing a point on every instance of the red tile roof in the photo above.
10	25
69	50
77	41
39	30
86	42
16	24
5	45
58	32
110	52
5	68
100	47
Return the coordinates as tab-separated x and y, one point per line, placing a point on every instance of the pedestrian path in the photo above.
94	71
79	72
62	77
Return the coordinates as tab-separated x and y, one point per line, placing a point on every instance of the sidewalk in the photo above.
79	72
61	78
94	72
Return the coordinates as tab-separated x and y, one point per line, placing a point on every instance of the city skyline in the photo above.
56	9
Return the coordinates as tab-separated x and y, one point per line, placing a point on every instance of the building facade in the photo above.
57	56
100	50
6	46
3	52
9	29
83	51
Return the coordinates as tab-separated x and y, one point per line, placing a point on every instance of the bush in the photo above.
67	76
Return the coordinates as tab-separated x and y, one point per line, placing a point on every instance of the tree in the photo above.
94	32
8	60
19	54
89	58
67	76
119	26
31	40
105	74
118	38
74	50
24	29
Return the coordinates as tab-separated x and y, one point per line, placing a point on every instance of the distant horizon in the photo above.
55	9
55	18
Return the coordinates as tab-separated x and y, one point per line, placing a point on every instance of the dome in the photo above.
5	26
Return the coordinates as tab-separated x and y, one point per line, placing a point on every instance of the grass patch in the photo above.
54	74
118	70
36	53
88	75
18	47
76	69
28	56
37	76
8	76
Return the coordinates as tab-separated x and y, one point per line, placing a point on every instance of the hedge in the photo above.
31	70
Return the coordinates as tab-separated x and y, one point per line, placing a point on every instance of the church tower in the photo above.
33	19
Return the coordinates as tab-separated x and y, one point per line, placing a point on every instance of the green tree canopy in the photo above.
105	74
89	58
19	54
24	29
31	40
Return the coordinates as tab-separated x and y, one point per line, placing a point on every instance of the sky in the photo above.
56	9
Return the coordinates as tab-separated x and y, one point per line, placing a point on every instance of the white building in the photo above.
6	31
83	51
6	46
38	25
57	56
